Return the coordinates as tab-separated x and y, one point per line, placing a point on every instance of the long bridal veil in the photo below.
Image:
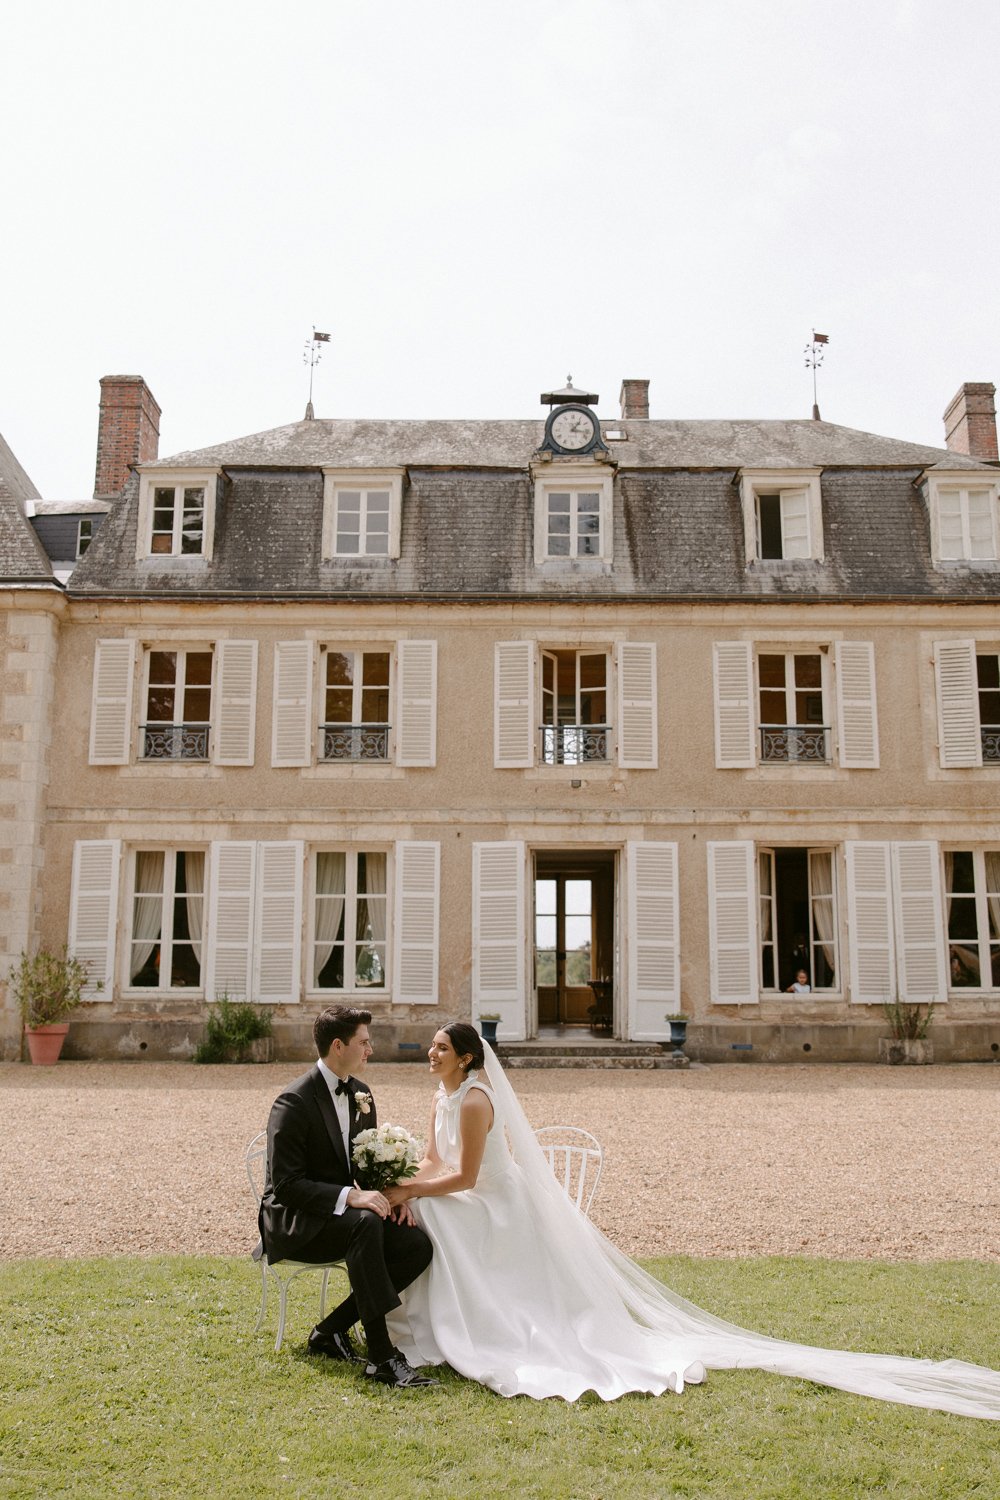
949	1385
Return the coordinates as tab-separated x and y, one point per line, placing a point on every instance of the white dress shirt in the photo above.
342	1109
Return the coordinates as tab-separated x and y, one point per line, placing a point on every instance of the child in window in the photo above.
801	985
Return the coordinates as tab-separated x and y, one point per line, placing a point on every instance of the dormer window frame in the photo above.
947	486
800	499
574	479
179	480
363	482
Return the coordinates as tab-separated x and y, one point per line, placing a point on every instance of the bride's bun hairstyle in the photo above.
465	1039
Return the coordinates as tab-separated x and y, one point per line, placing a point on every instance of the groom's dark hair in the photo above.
337	1023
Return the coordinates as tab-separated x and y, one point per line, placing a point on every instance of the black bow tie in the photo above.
342	1088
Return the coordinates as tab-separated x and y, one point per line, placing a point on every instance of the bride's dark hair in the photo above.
465	1038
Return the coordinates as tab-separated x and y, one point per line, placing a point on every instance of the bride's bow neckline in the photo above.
470	1077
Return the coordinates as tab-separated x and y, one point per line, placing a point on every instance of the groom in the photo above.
312	1211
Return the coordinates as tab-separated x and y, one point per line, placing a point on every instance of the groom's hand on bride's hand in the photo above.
374	1201
403	1214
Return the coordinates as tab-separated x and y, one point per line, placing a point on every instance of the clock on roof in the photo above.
572	428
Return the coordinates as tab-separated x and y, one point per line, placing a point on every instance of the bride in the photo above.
526	1296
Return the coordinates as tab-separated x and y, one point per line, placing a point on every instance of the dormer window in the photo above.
573	514
176	513
361	513
963	515
782	515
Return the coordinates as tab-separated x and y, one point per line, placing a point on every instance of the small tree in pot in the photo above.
908	1042
47	987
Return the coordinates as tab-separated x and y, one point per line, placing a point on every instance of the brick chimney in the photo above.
128	432
635	399
970	421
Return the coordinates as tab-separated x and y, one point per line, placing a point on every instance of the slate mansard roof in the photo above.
22	556
468	517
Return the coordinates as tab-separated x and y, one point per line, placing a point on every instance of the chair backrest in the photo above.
576	1158
256	1164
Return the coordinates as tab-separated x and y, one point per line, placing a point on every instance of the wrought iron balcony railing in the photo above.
574	744
798	744
175	741
362	742
990	736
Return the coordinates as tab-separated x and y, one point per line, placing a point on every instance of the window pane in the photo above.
348	542
378	546
348	502
558	504
559	546
769	518
339	667
771	670
198	668
807	671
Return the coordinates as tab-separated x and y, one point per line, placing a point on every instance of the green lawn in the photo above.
140	1378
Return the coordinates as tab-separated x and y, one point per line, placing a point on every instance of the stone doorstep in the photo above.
617	1061
548	1046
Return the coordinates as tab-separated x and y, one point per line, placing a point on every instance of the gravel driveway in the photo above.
848	1161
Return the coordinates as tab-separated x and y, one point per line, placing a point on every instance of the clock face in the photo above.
572	429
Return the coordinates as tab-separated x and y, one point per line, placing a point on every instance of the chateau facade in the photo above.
577	720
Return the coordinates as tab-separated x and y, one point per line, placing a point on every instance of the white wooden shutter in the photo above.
499	958
111	706
654	971
857	712
514	704
732	923
735	740
870	922
292	725
637	737
231	914
795	538
415	923
236	713
93	912
959	742
278	923
920	959
416	703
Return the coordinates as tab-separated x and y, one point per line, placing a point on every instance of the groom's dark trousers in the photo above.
307	1168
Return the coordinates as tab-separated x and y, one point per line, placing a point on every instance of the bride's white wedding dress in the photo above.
526	1296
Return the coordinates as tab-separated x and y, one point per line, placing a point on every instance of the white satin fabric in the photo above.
526	1296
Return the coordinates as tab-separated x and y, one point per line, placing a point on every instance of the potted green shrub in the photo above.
236	1031
47	987
908	1042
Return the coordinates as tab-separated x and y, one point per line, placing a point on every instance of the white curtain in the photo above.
194	880
992	860
331	878
821	894
147	914
371	912
766	869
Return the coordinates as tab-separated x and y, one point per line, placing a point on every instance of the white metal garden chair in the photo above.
576	1158
284	1272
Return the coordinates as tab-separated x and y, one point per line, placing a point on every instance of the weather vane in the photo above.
311	356
814	358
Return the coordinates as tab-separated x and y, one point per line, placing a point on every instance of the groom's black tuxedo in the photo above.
307	1170
306	1166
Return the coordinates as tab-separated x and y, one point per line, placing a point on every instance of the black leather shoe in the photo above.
334	1346
398	1373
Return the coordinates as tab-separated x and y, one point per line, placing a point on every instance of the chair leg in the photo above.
263	1298
322	1295
282	1310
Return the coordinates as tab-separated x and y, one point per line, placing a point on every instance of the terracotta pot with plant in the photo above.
47	987
908	1042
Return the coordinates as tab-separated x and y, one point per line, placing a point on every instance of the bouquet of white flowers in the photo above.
385	1156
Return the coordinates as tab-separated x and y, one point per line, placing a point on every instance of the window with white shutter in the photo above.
292	726
111	703
920	959
514	704
499	955
416	711
637	721
654	971
782	514
732	923
959	740
857	713
232	902
870	922
236	706
963	520
734	705
93	912
278	923
416	923
895	922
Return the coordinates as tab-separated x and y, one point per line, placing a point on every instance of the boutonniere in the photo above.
362	1102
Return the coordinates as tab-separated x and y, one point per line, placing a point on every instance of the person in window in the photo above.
801	986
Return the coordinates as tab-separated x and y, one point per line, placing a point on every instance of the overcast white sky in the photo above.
477	197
